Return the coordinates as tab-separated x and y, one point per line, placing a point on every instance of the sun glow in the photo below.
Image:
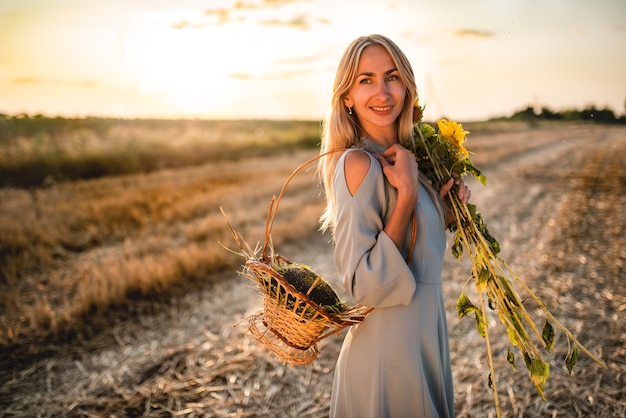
200	70
277	58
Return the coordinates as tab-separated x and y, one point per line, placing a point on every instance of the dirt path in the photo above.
555	200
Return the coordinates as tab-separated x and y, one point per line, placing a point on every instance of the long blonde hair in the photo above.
342	130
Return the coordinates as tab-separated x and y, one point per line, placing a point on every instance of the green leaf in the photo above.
457	246
464	306
510	332
476	172
481	323
495	246
472	210
527	359
571	359
482	279
510	358
539	372
427	130
548	335
493	243
511	296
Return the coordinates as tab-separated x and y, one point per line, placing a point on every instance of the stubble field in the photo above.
555	200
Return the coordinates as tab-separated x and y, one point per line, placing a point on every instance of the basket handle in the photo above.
273	209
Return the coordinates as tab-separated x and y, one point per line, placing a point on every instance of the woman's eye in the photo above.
393	78
365	81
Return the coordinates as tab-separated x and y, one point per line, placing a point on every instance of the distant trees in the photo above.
590	113
23	125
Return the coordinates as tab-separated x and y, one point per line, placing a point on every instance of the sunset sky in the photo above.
276	58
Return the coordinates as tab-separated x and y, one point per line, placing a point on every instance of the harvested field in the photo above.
555	200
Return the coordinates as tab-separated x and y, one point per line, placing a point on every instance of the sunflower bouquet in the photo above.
442	154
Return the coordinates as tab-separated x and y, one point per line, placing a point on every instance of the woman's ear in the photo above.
348	102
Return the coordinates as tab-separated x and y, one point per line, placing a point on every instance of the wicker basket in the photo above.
291	324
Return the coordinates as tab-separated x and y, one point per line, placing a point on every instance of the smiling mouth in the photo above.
381	108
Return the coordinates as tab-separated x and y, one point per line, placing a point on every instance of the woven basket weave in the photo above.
291	324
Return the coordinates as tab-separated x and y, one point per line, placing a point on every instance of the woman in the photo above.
396	363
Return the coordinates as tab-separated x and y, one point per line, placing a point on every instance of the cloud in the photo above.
182	24
294	73
474	33
275	75
298	22
55	82
27	80
221	16
323	20
209	17
278	2
240	76
243	11
299	59
250	5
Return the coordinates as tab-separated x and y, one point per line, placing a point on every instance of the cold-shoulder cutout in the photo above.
356	166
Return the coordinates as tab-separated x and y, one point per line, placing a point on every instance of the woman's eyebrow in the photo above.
369	74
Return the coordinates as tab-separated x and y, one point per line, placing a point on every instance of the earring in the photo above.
349	110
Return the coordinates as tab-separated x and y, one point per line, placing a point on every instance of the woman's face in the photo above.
377	94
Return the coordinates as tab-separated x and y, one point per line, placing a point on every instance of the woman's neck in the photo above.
383	137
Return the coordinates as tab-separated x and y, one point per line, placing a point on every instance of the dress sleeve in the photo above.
371	267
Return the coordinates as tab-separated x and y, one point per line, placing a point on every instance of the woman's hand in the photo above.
400	169
464	193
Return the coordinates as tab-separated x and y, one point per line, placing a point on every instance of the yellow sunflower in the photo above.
453	132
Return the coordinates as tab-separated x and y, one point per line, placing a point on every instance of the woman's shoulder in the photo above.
357	164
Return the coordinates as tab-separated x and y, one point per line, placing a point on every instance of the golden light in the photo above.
197	68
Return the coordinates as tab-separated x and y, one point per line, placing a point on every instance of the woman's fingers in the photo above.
463	194
400	168
446	187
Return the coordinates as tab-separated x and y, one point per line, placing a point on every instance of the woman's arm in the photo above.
400	169
369	262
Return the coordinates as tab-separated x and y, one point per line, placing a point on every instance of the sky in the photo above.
276	59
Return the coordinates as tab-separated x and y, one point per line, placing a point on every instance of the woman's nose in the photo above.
383	89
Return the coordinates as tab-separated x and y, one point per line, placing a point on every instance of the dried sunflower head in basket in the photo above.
313	285
300	308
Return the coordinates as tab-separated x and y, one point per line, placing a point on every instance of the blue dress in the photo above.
396	363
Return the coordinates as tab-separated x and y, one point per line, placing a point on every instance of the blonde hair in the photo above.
342	130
